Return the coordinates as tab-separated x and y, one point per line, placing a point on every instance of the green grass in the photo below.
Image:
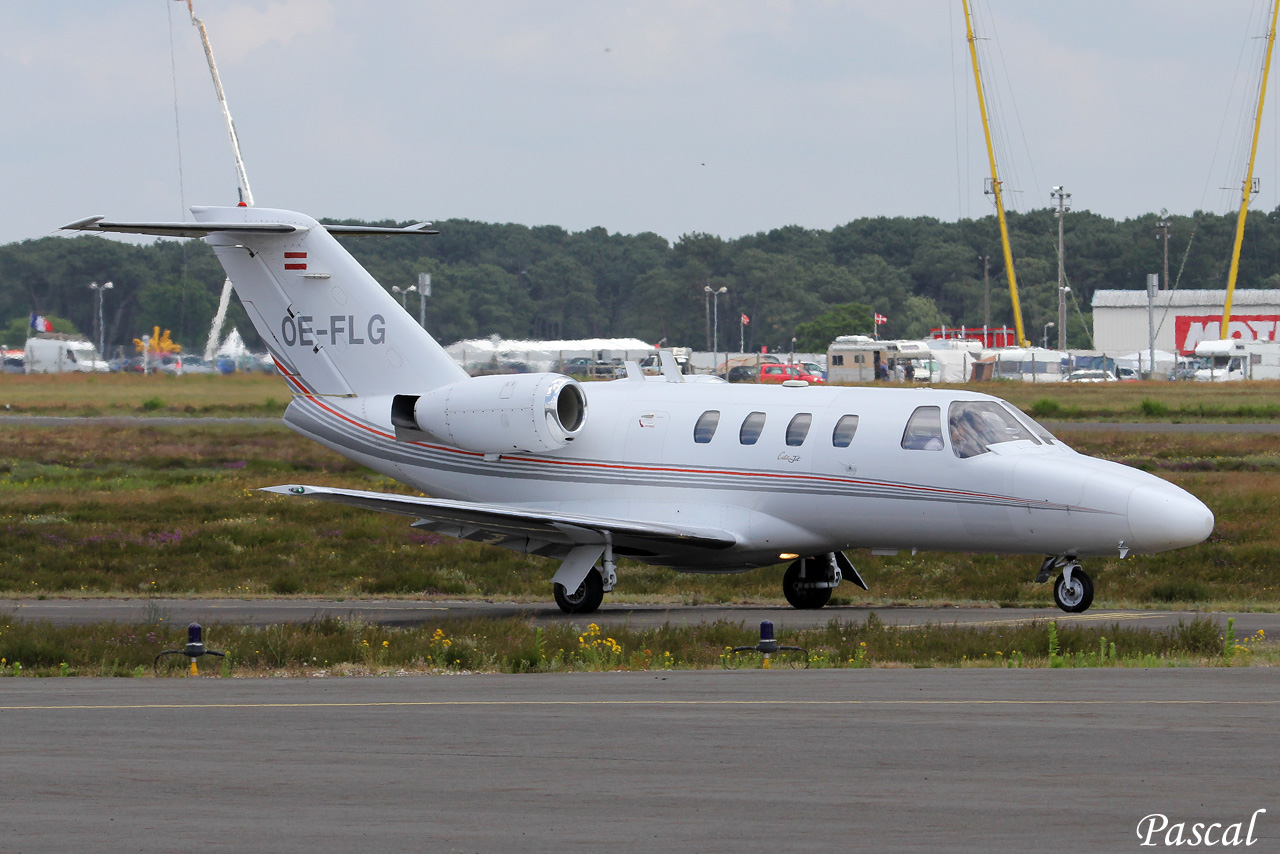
175	511
263	395
339	647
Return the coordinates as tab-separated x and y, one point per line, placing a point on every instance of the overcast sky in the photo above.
719	116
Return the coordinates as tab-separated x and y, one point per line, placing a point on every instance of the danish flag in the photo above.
880	318
295	260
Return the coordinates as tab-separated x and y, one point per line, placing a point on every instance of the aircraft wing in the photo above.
496	523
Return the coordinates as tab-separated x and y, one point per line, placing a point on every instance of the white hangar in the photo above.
1182	318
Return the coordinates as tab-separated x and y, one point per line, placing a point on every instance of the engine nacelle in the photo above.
498	414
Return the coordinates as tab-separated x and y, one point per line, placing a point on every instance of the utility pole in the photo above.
1064	205
986	291
1164	225
424	291
1153	282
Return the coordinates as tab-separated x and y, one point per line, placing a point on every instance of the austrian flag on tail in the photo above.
295	260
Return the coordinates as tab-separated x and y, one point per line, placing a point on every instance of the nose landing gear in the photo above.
1073	590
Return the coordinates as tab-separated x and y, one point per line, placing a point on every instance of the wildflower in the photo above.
386	644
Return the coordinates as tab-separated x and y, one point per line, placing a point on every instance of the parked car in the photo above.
782	373
742	374
1090	376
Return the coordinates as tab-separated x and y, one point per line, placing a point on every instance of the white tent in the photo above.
1165	361
544	355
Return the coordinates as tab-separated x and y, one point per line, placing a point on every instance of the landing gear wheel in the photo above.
804	598
1077	596
585	600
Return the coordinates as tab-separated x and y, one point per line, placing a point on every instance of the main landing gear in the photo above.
808	582
585	599
1073	590
598	572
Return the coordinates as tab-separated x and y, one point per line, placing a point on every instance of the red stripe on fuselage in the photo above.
933	490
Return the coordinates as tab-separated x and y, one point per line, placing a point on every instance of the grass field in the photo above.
339	647
259	394
124	509
106	509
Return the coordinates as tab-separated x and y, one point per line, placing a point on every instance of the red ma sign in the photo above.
1190	331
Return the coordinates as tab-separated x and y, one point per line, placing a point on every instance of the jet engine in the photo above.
498	414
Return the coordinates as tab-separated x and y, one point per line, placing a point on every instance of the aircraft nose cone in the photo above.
1166	517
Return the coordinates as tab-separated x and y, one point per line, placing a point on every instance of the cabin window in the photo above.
751	427
859	359
838	361
924	430
842	436
798	429
976	425
706	426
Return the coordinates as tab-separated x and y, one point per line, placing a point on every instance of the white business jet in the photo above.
701	476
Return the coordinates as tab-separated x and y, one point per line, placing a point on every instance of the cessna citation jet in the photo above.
691	473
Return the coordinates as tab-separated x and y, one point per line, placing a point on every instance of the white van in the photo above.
54	354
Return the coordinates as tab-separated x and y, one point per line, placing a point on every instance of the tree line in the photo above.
520	281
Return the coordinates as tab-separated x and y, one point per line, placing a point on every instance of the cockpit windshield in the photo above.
976	425
1036	427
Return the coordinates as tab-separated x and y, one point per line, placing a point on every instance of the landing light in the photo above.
787	556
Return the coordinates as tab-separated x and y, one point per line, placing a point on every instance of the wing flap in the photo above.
564	529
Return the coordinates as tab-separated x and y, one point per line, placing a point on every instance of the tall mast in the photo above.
995	184
1248	178
246	195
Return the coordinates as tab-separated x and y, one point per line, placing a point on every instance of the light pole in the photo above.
715	326
1164	225
1064	205
102	332
1044	339
404	293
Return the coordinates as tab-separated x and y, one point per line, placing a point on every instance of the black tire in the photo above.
585	600
804	598
1078	597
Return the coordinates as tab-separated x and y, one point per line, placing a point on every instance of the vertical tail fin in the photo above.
329	324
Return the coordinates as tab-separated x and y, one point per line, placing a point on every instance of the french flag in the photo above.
40	323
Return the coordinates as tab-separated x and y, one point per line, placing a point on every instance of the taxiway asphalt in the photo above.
410	612
782	760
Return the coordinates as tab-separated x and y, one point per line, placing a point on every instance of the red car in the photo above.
782	373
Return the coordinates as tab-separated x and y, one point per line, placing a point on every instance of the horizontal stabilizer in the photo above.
204	229
180	229
357	230
563	529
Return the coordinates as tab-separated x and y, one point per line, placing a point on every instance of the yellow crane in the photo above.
995	184
1247	188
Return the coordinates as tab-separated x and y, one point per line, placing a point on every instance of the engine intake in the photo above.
498	414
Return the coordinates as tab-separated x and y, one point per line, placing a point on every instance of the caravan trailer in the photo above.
1238	359
858	359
